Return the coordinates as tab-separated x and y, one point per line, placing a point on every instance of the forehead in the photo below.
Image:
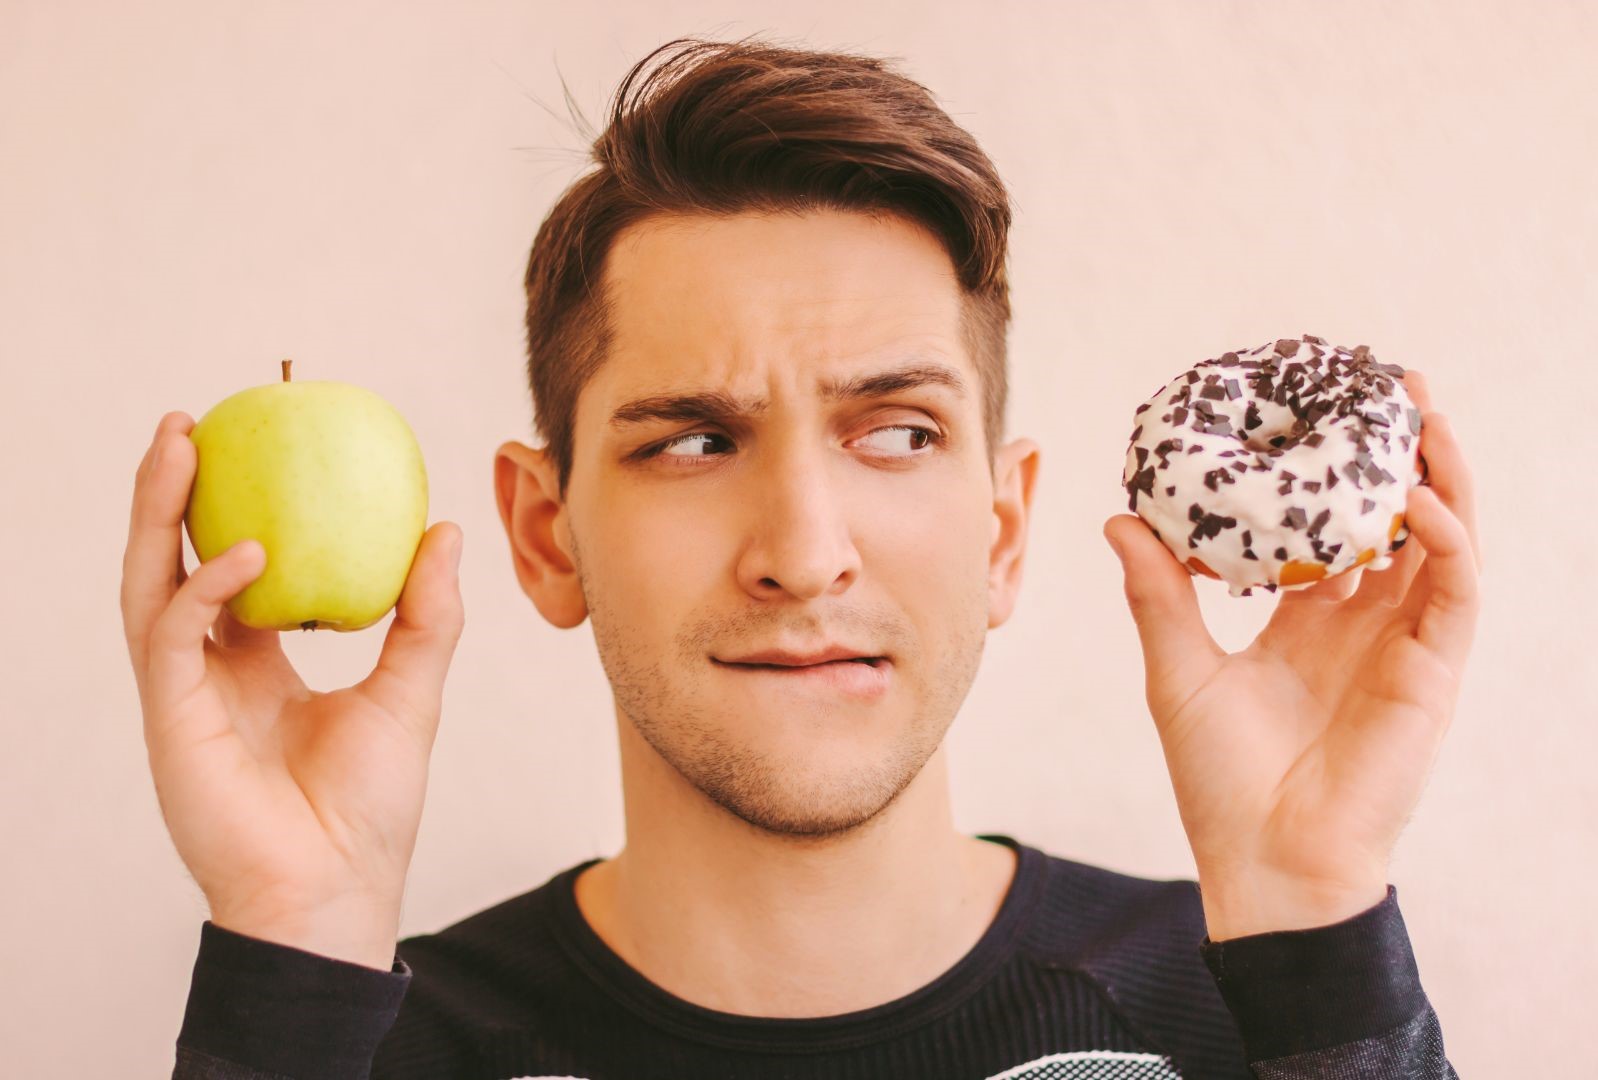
757	297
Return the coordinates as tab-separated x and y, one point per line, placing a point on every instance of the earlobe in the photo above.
535	523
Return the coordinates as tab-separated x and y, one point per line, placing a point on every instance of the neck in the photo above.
733	918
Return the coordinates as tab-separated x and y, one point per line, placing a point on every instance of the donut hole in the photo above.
1261	441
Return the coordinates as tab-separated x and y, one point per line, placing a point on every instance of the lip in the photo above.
851	678
795	658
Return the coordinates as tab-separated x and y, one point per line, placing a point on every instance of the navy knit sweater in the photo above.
1084	974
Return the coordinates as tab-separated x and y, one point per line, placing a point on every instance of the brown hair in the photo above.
724	127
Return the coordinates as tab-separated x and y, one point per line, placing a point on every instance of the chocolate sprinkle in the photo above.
1325	393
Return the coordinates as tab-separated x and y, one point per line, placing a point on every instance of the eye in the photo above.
927	437
915	437
688	439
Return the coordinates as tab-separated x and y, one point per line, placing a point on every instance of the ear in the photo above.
1015	471
526	487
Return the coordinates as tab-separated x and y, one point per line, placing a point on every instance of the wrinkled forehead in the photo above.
756	302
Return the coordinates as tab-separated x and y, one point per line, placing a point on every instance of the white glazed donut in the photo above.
1279	466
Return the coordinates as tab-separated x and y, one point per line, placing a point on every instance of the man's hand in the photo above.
1297	761
295	810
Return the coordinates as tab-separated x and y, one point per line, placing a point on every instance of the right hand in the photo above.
295	810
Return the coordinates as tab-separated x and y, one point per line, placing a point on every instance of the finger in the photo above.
1418	389
1387	588
227	630
177	640
1178	651
1420	393
1448	475
155	531
1447	597
408	680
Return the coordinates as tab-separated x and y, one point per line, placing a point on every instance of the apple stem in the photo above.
286	375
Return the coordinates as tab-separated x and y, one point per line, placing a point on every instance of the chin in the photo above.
817	785
817	812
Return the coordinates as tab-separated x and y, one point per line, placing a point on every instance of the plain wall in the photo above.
190	192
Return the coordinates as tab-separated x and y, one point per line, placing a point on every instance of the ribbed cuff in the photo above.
284	1010
1297	990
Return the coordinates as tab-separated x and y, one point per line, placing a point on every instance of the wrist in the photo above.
1240	905
356	934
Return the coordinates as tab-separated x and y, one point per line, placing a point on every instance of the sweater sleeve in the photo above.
1338	1002
258	1010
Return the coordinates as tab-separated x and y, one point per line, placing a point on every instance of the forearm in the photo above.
258	1010
1336	1002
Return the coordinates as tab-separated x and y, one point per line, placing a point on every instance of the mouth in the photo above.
863	677
869	661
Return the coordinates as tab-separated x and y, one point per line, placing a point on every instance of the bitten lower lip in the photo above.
850	677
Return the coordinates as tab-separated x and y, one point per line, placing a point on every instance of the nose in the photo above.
799	538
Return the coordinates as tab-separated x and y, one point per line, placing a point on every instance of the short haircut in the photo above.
720	128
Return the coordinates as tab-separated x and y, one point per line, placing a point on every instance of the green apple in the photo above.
329	478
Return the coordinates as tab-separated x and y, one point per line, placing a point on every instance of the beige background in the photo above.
191	191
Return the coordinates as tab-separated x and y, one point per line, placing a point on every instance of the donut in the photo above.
1278	467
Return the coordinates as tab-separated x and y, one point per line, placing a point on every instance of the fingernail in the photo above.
455	554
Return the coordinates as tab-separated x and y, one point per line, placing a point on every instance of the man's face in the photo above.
703	537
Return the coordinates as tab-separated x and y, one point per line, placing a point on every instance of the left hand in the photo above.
1297	761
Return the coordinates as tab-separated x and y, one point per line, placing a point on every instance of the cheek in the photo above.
932	560
657	547
935	539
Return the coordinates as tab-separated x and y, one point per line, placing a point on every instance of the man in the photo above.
766	346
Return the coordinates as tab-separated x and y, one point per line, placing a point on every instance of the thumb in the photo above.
408	680
1164	604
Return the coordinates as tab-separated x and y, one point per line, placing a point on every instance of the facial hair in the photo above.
779	797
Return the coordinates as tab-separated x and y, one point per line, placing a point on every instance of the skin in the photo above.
1298	760
789	851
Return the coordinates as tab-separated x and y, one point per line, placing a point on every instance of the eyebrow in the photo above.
722	407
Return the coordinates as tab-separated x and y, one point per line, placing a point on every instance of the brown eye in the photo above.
913	439
684	440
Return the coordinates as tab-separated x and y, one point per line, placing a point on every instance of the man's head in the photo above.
766	346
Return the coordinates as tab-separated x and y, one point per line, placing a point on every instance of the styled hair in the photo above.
720	128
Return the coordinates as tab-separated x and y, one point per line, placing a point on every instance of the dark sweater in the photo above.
1085	974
